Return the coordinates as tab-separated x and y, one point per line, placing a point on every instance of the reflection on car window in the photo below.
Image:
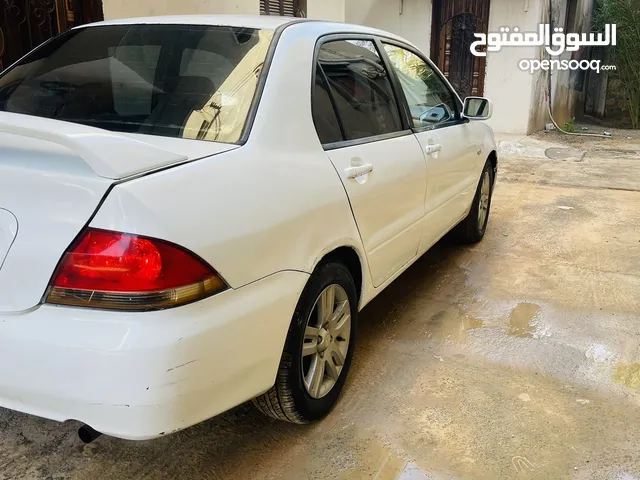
188	81
361	89
324	116
132	78
430	101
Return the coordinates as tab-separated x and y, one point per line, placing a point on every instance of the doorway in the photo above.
454	24
25	24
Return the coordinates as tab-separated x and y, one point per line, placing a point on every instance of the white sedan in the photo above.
193	209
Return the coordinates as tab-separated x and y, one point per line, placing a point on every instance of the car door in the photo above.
372	148
447	140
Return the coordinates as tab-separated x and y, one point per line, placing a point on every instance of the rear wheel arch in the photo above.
493	159
349	257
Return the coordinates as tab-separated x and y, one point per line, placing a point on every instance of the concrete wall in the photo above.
137	8
568	90
333	10
505	84
410	19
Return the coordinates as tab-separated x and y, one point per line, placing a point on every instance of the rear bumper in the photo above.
142	375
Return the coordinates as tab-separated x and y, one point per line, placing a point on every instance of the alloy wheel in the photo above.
483	207
326	341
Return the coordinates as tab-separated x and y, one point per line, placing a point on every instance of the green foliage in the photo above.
626	55
570	126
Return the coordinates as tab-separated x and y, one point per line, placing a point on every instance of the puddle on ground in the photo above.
522	320
628	375
451	326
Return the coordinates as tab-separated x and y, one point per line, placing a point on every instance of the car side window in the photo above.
360	87
430	101
324	115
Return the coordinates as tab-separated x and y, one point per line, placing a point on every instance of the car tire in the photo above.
299	394
473	227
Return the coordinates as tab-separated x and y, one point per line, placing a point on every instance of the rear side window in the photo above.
360	87
187	81
324	115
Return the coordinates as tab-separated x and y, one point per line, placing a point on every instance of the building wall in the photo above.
333	10
506	85
568	89
410	19
140	8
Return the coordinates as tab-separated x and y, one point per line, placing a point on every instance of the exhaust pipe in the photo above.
88	434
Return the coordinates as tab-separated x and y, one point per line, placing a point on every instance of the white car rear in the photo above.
194	209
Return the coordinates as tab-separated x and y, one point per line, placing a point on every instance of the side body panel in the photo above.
388	203
447	171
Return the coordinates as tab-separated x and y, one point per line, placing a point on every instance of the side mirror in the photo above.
477	108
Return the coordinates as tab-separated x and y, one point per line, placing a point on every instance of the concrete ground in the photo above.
515	358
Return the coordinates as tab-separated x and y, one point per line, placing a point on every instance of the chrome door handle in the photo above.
433	148
353	172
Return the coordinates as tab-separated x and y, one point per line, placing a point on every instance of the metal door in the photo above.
25	24
454	23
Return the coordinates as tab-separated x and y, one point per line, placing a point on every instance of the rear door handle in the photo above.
353	172
433	148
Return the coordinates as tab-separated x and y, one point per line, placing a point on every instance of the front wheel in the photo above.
473	227
318	349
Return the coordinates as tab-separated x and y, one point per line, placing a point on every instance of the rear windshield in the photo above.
184	81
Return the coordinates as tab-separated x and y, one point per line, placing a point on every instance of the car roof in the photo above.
266	22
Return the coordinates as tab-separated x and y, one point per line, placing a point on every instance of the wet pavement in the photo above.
516	358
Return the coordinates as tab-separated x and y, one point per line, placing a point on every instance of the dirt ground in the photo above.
518	358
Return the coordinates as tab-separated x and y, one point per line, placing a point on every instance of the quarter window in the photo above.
360	87
431	102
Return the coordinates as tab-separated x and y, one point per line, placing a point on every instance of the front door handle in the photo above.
353	172
436	147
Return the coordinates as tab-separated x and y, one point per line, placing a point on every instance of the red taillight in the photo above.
115	270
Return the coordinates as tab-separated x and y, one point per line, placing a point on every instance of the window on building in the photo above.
430	101
360	87
285	8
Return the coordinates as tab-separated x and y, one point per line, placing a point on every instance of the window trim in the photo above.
459	120
365	140
337	36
